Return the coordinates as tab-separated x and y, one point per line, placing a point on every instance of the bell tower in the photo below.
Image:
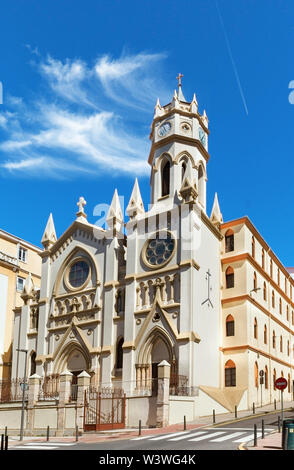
179	151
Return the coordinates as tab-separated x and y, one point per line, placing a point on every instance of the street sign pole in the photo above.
281	383
282	393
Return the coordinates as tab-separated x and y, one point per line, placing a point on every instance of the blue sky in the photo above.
80	82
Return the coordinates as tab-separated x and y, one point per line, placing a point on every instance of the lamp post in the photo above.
23	394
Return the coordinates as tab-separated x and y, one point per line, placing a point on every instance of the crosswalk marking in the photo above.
52	443
165	436
201	438
228	436
188	435
35	447
248	438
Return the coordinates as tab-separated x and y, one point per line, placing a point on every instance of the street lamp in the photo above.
23	393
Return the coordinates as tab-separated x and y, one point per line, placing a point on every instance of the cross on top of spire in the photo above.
179	78
81	203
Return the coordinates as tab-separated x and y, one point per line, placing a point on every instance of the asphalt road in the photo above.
219	437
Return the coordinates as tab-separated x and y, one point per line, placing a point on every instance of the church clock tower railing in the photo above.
179	150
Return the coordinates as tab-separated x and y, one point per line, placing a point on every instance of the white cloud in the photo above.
71	124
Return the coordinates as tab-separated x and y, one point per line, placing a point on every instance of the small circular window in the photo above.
78	273
158	251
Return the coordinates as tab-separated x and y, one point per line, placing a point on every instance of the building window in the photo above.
264	291
274	340
287	310
20	284
229	241
286	286
165	179
262	259
255	281
271	268
266	377
184	167
288	348
280	306
120	301
273	299
230	326
253	247
289	383
230	374
229	278
119	354
256	374
278	276
201	185
78	273
265	335
33	363
22	254
281	343
255	329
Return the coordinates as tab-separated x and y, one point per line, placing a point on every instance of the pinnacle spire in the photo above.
49	235
216	215
28	288
114	215
180	93
135	205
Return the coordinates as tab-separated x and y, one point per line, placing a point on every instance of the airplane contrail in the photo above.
231	57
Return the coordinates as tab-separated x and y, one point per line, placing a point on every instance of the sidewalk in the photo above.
273	440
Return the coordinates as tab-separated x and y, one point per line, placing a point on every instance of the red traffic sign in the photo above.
281	383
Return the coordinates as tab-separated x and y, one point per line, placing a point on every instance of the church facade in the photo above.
172	283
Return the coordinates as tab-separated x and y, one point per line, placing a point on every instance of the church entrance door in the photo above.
104	409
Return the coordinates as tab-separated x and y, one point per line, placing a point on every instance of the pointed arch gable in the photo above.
184	155
67	260
60	364
156	334
164	155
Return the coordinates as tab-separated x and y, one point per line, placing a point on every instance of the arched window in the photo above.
280	306
254	281
253	247
230	278
266	377
262	259
292	317
286	286
271	268
230	374
184	167
274	340
201	185
273	299
288	348
229	240
278	276
33	363
165	178
255	329
256	375
230	326
265	334
119	354
287	312
264	291
120	301
281	343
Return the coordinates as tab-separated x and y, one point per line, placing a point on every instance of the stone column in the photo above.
34	386
162	418
83	384
64	396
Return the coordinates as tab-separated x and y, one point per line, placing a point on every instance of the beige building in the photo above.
257	314
18	258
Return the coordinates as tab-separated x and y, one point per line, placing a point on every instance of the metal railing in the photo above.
49	388
11	390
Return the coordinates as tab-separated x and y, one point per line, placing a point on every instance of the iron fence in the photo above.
11	390
49	388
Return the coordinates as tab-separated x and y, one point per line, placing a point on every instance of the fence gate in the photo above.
104	409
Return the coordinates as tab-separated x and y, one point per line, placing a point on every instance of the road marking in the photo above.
228	436
142	437
52	443
240	429
166	436
207	436
248	438
188	435
34	447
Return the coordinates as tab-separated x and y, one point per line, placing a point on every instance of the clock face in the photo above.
164	129
202	136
